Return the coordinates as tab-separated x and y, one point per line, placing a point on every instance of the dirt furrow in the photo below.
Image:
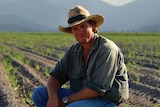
41	67
46	59
143	94
27	79
28	72
8	96
31	74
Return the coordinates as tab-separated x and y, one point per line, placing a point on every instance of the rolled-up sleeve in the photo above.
61	68
103	75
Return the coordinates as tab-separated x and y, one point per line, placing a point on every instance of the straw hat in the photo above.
78	15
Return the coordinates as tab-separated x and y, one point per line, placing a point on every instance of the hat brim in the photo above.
96	18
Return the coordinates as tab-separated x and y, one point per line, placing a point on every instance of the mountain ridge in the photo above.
50	14
14	23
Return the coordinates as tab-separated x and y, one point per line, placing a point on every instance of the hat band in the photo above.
76	18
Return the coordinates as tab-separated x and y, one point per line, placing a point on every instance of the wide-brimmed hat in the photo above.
79	15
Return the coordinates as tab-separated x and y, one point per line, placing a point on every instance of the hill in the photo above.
13	23
50	14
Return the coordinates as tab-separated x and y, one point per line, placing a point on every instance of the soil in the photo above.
144	91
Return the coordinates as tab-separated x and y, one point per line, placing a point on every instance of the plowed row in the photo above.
144	93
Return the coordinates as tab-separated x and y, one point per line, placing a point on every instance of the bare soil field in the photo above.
144	90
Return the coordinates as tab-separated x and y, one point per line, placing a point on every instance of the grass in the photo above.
137	47
47	43
12	76
11	72
157	105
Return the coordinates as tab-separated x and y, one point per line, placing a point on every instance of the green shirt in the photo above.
104	70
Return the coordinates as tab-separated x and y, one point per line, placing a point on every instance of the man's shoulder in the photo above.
74	48
107	43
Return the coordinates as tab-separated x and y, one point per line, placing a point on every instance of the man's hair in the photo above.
95	29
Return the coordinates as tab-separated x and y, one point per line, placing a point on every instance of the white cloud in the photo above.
118	2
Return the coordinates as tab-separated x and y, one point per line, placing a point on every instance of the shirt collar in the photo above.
78	48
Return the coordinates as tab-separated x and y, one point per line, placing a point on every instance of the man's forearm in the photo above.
85	93
52	86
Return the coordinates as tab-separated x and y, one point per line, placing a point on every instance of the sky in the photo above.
112	2
118	2
120	15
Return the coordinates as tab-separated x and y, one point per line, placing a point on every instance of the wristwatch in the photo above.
65	100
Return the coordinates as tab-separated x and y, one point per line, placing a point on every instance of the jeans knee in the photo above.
40	95
35	94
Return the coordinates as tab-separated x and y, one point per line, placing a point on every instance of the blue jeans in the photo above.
40	98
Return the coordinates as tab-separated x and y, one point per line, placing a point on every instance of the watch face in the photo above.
65	100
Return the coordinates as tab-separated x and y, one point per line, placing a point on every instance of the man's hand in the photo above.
52	86
52	103
55	104
61	104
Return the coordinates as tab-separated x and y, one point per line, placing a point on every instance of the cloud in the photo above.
118	2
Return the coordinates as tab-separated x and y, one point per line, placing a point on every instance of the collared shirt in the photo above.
104	70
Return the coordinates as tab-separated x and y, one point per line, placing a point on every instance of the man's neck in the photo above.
86	49
88	45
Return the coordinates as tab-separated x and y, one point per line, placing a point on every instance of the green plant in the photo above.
159	72
20	57
26	98
37	67
129	66
27	61
46	73
157	105
11	72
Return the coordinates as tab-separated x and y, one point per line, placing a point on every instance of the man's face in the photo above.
83	32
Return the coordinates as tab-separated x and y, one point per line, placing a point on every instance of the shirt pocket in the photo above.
76	81
75	75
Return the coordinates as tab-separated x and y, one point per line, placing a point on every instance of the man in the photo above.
94	66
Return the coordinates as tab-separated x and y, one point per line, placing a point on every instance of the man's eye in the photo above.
74	29
83	26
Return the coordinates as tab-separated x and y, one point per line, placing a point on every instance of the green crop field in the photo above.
28	58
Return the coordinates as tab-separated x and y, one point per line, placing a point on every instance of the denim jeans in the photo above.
40	98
